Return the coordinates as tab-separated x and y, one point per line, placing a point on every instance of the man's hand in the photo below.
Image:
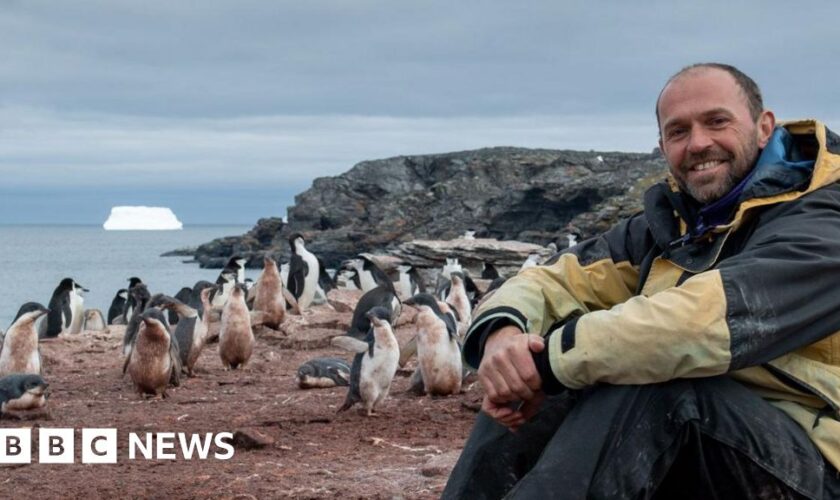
513	415
507	371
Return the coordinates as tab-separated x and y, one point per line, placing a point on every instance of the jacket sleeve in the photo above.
595	274
776	295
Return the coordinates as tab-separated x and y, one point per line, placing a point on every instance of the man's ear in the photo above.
765	125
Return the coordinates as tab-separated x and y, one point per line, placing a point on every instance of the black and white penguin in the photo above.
19	352
348	279
488	271
438	351
370	275
118	306
304	272
21	392
141	298
131	301
195	296
190	330
183	296
322	373
409	282
224	285
375	363
153	361
380	296
236	266
66	308
325	281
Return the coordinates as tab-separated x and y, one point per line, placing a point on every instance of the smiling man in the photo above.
692	351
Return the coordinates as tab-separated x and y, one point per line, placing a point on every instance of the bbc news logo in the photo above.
100	446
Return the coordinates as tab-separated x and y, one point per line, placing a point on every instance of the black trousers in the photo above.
708	438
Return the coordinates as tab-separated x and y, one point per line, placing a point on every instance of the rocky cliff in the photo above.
530	195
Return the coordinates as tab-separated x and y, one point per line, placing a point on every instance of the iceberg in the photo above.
141	218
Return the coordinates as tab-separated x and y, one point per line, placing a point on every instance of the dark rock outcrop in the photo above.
530	195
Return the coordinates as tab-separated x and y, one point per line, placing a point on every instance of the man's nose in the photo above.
699	140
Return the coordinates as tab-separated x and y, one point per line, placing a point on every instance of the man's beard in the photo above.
739	167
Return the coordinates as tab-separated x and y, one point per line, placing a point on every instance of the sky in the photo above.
223	110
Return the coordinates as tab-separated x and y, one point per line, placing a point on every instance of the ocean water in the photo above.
34	259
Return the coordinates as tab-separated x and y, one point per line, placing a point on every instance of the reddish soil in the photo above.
309	450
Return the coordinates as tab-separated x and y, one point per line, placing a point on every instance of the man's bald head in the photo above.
750	90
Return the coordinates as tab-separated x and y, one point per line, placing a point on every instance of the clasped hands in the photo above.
509	376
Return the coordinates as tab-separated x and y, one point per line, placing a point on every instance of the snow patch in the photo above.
142	218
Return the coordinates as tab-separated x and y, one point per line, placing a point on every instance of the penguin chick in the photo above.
460	302
21	392
94	321
153	361
236	338
438	352
375	363
269	298
19	352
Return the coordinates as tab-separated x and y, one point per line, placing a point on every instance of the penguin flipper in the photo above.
126	361
349	344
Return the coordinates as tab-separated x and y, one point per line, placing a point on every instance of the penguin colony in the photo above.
165	335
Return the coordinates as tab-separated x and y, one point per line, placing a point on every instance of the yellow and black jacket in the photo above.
757	298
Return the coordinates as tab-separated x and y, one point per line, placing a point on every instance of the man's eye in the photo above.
675	133
719	121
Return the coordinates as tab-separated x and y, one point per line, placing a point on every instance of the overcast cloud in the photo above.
179	103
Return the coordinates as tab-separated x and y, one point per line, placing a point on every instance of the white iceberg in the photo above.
141	218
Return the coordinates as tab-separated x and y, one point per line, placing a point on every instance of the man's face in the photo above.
707	134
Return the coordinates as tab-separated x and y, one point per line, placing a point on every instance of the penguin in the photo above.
438	352
19	352
236	266
348	279
409	282
303	272
77	306
117	305
380	296
183	296
375	363
195	296
20	392
141	297
488	271
469	234
131	301
532	260
224	284
370	275
325	281
269	298
322	373
94	321
236	338
64	308
460	302
190	331
153	361
451	266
